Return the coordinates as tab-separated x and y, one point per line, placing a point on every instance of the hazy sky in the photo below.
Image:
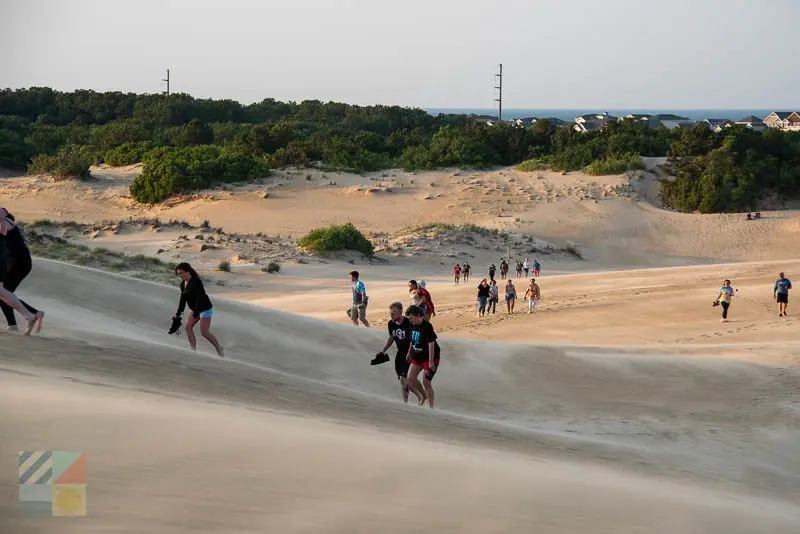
433	53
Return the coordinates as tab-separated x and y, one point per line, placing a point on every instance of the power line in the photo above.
500	99
166	80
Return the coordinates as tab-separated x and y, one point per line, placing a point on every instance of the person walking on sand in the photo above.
780	292
526	266
400	336
194	295
533	295
417	298
424	353
503	269
483	297
465	270
536	267
494	296
358	310
456	273
430	309
492	270
519	269
15	265
33	320
724	299
511	296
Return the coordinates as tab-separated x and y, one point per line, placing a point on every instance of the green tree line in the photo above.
187	143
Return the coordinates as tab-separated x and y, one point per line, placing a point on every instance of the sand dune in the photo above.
623	406
294	431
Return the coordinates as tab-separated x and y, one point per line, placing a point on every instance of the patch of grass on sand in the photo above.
441	228
139	266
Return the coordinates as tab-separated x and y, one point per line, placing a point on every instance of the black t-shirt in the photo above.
421	336
401	333
483	291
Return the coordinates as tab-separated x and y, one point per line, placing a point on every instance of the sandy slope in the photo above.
569	439
630	408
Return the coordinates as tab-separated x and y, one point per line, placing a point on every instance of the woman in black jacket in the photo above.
194	295
15	265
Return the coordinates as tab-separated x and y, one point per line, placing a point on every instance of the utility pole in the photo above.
166	80
500	98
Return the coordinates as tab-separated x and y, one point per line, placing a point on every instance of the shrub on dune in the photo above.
336	238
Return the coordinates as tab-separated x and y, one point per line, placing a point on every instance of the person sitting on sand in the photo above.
15	265
494	296
511	296
533	295
194	295
400	336
424	353
483	297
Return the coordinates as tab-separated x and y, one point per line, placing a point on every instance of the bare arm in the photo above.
388	344
431	352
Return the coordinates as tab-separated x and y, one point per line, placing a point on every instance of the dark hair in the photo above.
727	281
185	267
10	216
413	283
416	311
354	274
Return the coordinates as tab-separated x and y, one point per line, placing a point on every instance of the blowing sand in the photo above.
622	406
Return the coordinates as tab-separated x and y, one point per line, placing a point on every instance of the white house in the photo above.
783	120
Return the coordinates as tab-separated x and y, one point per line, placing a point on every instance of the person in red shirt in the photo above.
430	310
456	273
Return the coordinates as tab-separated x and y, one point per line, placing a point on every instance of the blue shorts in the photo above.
207	314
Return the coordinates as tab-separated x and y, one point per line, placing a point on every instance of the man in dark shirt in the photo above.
781	293
400	335
423	352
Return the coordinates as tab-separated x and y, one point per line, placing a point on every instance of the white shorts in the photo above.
532	304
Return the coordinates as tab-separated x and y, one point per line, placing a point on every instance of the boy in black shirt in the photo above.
400	335
423	352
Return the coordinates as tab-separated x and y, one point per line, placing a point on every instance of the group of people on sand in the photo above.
412	334
461	272
524	268
780	292
488	296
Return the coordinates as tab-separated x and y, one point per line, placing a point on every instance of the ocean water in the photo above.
570	114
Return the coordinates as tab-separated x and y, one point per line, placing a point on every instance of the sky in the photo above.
604	54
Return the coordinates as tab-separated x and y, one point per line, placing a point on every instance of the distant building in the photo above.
668	120
671	125
591	122
717	125
752	122
783	120
638	117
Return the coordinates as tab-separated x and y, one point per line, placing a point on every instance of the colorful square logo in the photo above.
52	483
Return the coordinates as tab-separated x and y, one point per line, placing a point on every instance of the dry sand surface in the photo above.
622	406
